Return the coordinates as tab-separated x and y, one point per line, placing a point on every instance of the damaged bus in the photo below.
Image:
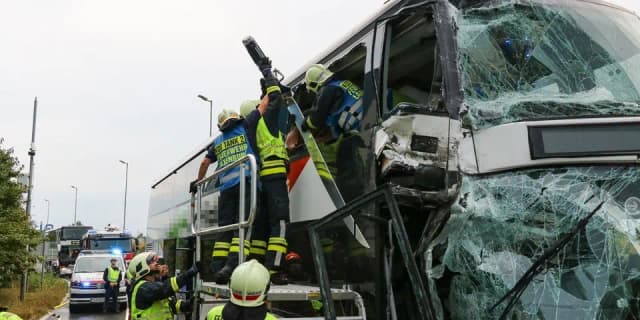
495	174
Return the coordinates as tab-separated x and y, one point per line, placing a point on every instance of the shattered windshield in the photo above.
524	60
502	224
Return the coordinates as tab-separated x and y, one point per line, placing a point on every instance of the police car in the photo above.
87	285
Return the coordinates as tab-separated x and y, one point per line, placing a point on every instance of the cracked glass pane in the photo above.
502	224
540	60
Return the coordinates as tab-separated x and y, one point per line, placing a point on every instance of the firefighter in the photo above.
249	286
111	276
273	217
231	145
334	120
152	299
338	103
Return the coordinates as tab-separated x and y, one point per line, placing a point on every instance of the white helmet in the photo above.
249	284
316	76
224	117
140	264
247	106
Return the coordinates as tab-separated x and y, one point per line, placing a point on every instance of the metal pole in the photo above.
126	182
241	216
210	112
43	259
48	207
32	153
75	206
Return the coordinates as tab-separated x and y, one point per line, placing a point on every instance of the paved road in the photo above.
87	313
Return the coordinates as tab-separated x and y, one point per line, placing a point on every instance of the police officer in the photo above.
111	276
249	285
273	216
231	145
152	299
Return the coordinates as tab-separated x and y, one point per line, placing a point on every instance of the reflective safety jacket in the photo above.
217	312
348	115
273	153
228	147
113	275
159	310
151	300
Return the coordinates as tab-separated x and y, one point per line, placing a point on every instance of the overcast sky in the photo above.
118	79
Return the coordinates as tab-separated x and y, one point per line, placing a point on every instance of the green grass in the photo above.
38	301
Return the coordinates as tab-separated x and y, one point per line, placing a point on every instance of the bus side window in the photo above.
412	71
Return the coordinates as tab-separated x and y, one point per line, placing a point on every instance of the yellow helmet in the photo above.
225	116
140	264
249	284
247	106
316	76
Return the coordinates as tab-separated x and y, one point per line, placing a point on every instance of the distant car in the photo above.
87	286
66	271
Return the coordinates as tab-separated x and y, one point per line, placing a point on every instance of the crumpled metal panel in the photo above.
529	60
502	223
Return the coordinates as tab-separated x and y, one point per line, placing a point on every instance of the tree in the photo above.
16	230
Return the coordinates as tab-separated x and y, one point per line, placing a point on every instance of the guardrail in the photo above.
196	203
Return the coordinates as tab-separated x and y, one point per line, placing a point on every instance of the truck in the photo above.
68	240
495	174
112	240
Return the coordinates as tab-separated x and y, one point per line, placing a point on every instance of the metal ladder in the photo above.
211	293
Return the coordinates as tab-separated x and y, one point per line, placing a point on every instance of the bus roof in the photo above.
201	148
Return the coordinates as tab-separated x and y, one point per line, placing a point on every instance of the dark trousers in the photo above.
270	227
226	247
111	296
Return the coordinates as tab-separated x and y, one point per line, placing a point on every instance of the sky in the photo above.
118	80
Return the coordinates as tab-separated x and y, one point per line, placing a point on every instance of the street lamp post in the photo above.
75	206
210	112
48	207
126	182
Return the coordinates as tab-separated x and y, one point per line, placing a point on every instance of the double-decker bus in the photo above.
68	243
111	239
495	174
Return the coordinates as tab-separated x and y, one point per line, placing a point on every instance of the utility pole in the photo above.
126	182
32	153
210	112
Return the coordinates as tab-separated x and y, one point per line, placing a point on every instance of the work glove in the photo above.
266	83
194	269
192	186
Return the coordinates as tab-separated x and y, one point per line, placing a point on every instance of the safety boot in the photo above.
223	276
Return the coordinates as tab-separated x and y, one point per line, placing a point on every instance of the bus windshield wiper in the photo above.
540	264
